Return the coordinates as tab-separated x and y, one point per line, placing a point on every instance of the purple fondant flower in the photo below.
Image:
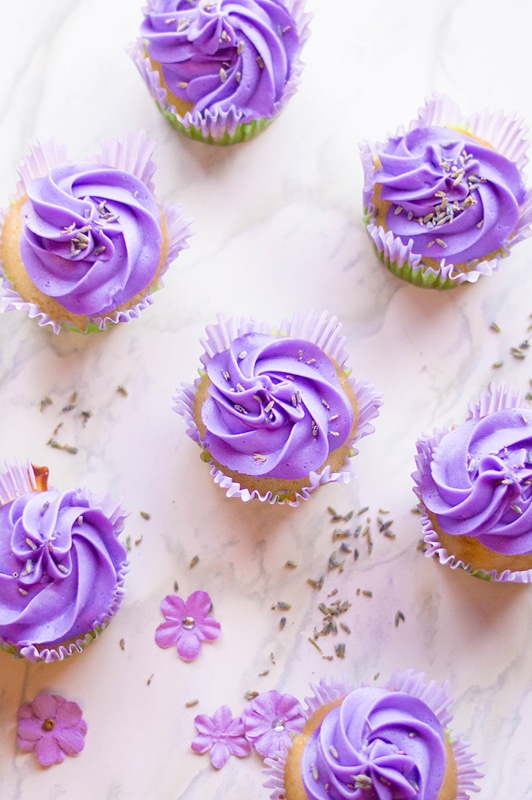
222	735
51	726
271	719
188	624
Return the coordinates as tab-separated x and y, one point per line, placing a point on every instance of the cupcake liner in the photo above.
320	329
434	695
132	154
62	650
497	398
508	136
18	479
437	698
221	127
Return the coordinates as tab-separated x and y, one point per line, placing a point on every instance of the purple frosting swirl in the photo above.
91	237
453	196
60	565
479	481
377	745
219	54
275	407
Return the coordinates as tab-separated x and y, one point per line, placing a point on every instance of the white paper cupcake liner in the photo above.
507	134
322	330
222	127
18	479
15	480
497	398
434	695
132	154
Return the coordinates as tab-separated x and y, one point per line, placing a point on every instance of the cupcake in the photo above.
474	483
221	70
372	743
62	565
276	413
86	244
445	201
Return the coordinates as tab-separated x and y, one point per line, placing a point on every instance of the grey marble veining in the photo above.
278	227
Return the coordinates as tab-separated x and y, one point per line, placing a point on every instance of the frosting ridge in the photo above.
92	236
375	745
456	197
61	566
222	54
478	481
275	407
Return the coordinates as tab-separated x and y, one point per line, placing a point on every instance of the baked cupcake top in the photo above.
448	195
62	565
375	743
376	738
215	66
275	407
222	53
93	240
475	480
276	411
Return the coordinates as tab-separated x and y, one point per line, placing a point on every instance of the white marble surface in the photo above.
277	227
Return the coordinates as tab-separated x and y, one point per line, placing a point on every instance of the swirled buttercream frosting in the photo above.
86	243
453	196
91	237
375	745
276	410
445	200
275	407
218	54
478	482
61	567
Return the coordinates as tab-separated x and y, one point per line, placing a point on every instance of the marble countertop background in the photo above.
278	227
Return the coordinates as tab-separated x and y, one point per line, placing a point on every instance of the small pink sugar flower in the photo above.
188	624
221	735
51	726
271	720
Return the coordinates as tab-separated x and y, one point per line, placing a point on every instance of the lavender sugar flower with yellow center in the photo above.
52	727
